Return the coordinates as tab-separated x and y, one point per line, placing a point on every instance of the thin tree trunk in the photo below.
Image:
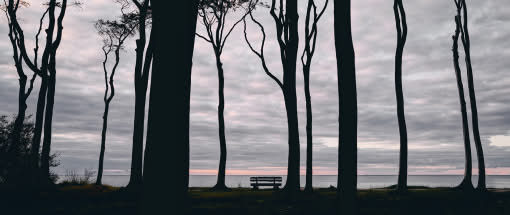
141	81
166	166
46	148
347	145
401	40
472	100
135	178
309	136
466	182
220	184
20	117
36	140
110	87
103	143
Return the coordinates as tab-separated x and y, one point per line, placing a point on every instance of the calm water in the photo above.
364	181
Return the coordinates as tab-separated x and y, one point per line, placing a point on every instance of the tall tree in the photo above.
401	25
348	108
466	43
55	40
142	68
114	35
466	182
286	22
23	92
311	21
213	16
166	162
47	71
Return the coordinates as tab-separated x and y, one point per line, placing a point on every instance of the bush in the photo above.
71	177
14	166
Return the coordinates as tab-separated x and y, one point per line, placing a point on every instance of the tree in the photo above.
466	43
47	72
166	161
286	22
142	69
348	108
114	35
23	92
466	182
213	16
401	25
306	60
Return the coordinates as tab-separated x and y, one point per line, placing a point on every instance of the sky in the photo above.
256	130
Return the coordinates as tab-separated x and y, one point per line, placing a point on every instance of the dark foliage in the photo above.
14	164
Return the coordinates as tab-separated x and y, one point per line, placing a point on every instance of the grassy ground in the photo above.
90	199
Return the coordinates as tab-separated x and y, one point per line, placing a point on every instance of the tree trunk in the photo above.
347	145
46	148
466	182
293	183
36	140
142	69
166	166
401	40
20	117
103	143
309	136
135	178
472	100
220	184
289	82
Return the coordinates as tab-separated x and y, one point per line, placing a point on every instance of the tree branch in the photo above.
261	53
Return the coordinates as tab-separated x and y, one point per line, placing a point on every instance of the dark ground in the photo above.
90	199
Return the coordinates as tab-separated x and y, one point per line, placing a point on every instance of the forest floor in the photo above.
90	199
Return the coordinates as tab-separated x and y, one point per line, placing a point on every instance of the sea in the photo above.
324	181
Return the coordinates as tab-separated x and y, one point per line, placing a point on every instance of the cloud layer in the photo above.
255	115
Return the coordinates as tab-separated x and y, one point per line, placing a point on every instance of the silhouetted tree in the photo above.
348	108
311	20
166	162
466	182
55	40
47	71
466	43
23	92
114	35
286	22
142	69
213	16
401	24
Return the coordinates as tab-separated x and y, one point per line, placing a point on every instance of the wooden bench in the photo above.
270	181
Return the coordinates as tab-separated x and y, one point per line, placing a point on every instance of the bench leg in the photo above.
275	187
255	187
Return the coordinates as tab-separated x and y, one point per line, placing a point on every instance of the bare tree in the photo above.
47	71
401	25
348	108
311	21
23	92
166	161
466	43
114	35
213	16
142	68
466	182
286	22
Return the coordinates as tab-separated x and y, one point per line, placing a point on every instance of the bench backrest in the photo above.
266	178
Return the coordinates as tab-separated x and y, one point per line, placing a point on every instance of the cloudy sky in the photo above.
255	115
